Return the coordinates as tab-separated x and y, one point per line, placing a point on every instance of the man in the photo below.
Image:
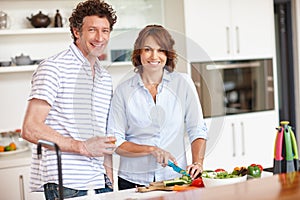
68	105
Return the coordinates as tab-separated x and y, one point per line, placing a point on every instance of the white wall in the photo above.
296	38
15	87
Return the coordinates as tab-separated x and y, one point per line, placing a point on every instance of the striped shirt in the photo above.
136	118
79	108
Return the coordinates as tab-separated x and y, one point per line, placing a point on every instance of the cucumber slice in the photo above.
174	182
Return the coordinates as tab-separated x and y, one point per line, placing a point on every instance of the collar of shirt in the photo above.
85	62
137	80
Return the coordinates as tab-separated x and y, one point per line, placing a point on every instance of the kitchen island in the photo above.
280	186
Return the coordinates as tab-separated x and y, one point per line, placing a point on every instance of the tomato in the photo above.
198	182
18	130
220	170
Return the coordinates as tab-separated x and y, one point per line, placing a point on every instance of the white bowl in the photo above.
212	182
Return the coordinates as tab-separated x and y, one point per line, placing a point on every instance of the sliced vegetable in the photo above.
198	182
180	188
174	182
219	175
188	179
220	170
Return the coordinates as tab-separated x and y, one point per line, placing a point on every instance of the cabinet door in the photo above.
251	28
229	29
260	133
221	145
207	29
15	183
244	139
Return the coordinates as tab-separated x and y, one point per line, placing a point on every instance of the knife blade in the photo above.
177	169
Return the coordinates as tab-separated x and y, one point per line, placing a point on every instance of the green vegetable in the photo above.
254	170
174	182
187	179
219	175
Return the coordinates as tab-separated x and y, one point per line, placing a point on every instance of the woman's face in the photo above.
94	36
153	57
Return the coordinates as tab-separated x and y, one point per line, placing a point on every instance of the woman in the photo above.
151	112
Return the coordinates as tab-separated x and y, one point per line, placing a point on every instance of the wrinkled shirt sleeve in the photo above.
195	124
117	122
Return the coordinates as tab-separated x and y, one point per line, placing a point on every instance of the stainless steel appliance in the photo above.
233	87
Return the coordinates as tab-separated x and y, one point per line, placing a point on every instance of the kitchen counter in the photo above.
280	186
16	160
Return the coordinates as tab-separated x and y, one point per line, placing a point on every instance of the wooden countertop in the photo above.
280	186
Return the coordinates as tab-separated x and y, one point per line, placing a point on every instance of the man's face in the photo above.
94	36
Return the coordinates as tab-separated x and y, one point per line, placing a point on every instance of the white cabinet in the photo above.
241	140
229	29
14	183
14	173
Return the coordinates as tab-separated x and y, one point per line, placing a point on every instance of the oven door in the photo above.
233	87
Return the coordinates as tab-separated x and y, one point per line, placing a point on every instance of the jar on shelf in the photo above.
58	19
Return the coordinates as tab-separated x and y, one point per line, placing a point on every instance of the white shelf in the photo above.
21	68
28	68
31	31
116	64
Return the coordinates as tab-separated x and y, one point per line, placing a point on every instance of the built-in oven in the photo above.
234	87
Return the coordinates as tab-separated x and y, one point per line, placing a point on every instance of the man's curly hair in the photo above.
91	8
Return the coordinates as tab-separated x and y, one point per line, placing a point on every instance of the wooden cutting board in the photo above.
155	186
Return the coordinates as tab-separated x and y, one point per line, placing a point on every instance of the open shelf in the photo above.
30	31
27	68
21	68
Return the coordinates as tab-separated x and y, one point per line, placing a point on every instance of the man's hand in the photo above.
98	146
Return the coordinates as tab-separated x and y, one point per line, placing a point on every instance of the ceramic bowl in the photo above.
5	63
213	182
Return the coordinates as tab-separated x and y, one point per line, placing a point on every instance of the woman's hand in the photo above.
162	156
195	169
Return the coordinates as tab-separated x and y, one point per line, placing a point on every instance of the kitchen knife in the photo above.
177	169
295	149
288	150
278	158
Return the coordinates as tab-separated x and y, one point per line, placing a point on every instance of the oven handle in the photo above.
233	66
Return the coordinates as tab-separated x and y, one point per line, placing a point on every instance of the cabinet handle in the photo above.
233	140
243	139
237	39
21	184
228	39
